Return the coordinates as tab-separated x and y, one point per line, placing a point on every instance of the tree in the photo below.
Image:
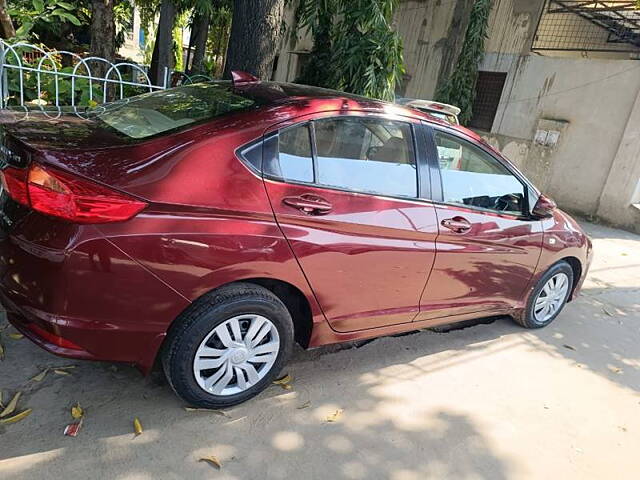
199	33
255	30
103	29
355	48
163	48
6	26
460	88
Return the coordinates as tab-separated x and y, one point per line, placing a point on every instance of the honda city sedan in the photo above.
208	227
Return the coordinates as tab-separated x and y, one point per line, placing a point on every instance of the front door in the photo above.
487	247
345	193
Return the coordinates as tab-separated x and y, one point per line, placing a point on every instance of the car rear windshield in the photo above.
153	113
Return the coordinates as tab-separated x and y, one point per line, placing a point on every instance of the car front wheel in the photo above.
548	298
228	347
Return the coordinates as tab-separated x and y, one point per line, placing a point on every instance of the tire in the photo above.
200	329
528	318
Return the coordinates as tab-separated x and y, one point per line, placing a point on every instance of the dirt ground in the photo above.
491	401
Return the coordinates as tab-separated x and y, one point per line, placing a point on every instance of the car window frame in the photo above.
436	176
423	179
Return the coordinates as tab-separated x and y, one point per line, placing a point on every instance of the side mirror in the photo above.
544	207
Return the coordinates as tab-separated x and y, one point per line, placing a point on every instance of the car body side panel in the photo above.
77	285
486	268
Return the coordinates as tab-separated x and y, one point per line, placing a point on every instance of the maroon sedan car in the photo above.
210	226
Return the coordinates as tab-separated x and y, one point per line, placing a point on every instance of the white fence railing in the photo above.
31	75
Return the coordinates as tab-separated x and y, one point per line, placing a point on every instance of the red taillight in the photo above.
14	181
63	195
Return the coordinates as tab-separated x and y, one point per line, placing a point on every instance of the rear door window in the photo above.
366	155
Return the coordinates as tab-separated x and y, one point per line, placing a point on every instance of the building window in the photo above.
488	92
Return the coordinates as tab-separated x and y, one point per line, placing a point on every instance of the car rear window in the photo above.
149	114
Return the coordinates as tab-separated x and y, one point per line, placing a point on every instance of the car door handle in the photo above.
309	204
457	224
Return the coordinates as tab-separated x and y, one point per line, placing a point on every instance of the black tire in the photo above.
192	326
527	318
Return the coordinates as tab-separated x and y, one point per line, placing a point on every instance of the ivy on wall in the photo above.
460	88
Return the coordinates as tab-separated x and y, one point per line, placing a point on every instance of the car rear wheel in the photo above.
228	347
548	298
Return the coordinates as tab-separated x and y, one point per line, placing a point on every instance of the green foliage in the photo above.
355	48
47	15
460	88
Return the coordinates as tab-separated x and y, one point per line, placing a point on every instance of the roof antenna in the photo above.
238	77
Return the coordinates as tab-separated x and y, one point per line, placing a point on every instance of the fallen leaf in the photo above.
1	352
286	386
217	412
16	336
67	367
17	417
137	426
11	406
61	372
283	380
569	347
304	405
615	369
607	312
1	404
72	429
213	461
335	416
40	376
77	412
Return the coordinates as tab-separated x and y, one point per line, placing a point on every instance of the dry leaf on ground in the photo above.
283	380
615	369
17	417
207	410
39	377
137	426
60	372
11	406
335	416
16	336
213	461
77	411
304	405
1	351
569	347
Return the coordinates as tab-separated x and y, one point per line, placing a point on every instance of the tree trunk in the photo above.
163	48
6	27
200	33
255	30
103	29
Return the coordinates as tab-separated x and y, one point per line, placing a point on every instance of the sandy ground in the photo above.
490	401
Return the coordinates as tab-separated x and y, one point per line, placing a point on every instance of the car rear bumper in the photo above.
84	298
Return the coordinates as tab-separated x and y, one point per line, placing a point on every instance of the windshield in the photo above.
153	113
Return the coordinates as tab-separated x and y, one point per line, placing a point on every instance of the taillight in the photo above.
63	195
14	181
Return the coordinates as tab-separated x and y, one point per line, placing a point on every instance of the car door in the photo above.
345	191
487	246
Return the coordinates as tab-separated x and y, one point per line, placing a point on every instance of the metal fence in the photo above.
33	76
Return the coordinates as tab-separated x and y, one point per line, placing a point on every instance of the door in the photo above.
345	193
488	248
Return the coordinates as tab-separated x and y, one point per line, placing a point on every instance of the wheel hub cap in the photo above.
551	297
236	354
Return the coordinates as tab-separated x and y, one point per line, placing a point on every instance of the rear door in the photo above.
345	191
488	248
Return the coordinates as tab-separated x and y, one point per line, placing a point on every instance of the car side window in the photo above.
474	178
366	155
294	154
